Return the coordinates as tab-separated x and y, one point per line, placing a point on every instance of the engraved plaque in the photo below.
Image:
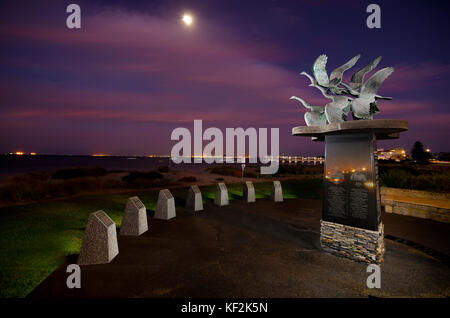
350	182
195	188
104	218
167	194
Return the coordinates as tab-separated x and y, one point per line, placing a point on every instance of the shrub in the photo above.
188	179
137	176
395	178
233	171
79	173
163	169
250	174
223	170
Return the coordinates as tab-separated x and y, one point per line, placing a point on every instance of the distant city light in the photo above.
19	153
369	184
428	150
33	153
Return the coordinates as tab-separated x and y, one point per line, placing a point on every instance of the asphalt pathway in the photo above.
262	249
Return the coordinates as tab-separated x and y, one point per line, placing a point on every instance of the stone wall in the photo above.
422	204
355	243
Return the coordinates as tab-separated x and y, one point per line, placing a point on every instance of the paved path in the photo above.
264	249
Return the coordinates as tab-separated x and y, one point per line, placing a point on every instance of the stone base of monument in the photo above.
351	215
276	194
99	244
221	197
249	192
194	199
165	207
352	242
134	220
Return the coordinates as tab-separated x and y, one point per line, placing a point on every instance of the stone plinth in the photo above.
249	192
277	193
165	207
99	244
134	220
353	242
351	215
221	197
194	199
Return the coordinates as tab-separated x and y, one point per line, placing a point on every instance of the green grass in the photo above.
35	239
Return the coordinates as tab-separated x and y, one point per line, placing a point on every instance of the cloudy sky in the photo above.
134	71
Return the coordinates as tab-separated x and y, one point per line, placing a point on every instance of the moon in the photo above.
187	19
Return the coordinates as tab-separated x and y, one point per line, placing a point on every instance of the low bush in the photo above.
163	169
429	177
188	179
137	176
79	173
233	171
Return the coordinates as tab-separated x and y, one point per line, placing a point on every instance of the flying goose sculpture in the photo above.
365	106
316	85
337	110
321	75
316	115
358	78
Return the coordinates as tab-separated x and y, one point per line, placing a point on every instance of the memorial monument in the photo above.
248	192
134	220
165	206
99	245
194	199
351	225
276	193
221	197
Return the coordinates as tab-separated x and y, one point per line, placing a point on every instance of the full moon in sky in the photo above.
187	19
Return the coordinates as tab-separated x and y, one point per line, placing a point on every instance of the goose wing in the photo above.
319	71
374	82
358	78
336	75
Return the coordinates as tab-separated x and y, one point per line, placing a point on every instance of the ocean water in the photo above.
13	164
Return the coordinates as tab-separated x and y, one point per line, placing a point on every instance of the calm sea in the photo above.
12	164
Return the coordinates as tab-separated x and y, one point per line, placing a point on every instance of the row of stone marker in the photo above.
99	244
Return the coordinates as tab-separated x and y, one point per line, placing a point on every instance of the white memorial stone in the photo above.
165	207
221	197
134	220
194	199
277	192
99	244
249	192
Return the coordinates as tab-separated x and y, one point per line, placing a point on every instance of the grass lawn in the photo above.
35	239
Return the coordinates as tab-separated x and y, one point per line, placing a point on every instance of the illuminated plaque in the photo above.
350	181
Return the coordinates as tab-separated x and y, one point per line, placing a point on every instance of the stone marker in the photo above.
221	197
277	192
194	199
249	192
165	207
135	218
99	244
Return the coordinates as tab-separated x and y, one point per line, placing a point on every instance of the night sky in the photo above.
134	71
